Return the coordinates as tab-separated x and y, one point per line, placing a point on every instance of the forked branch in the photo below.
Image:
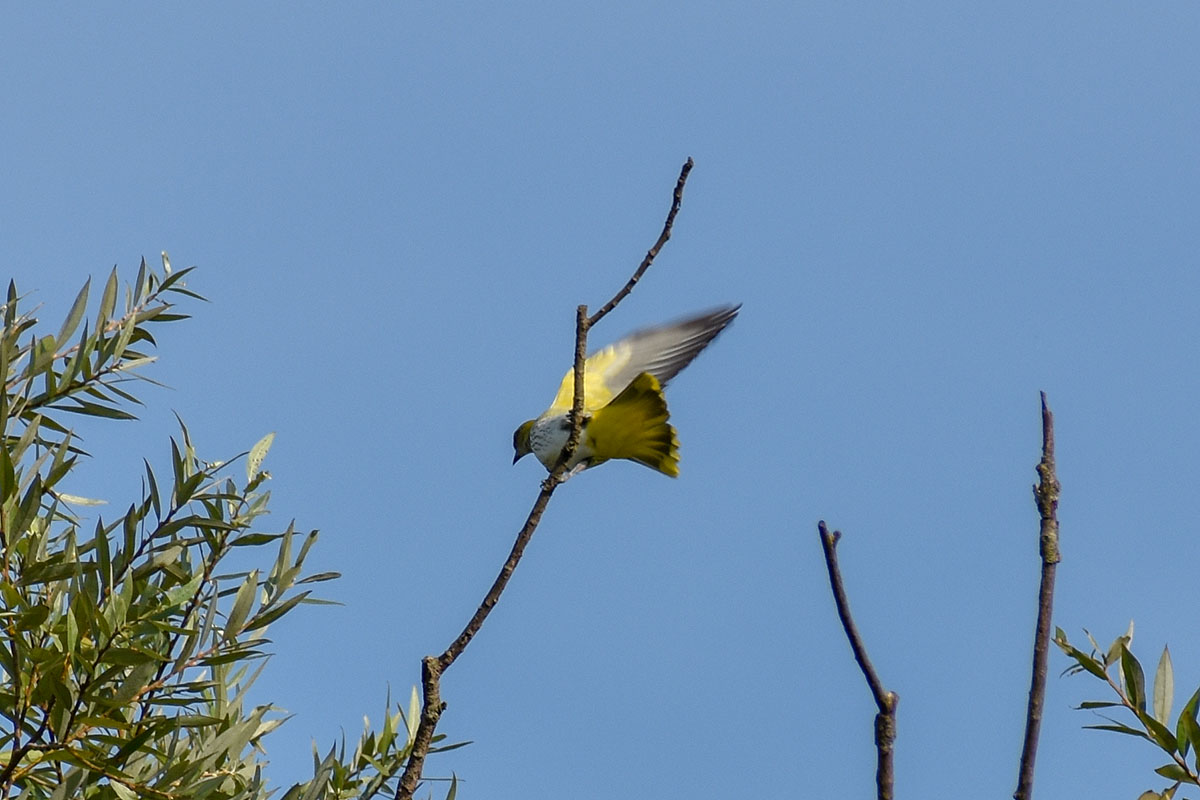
885	700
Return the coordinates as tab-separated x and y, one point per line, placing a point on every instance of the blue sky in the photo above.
931	211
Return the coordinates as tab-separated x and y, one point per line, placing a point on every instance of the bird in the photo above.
624	411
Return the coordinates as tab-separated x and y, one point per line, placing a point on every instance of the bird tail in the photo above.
634	426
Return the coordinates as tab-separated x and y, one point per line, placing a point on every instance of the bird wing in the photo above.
662	351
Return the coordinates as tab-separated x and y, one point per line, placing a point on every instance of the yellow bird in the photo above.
624	412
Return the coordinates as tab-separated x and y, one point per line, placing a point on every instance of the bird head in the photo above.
521	441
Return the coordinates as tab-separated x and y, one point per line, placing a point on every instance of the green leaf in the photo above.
230	656
108	301
185	591
1088	663
75	315
103	553
319	577
94	410
28	620
127	656
1159	733
1117	728
1135	679
257	454
414	714
43	356
269	615
152	489
122	340
135	682
254	539
8	476
1187	731
141	285
241	606
198	720
54	570
1164	688
1114	650
77	361
1173	772
121	791
75	500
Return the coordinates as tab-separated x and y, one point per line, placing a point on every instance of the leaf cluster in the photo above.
128	643
1150	710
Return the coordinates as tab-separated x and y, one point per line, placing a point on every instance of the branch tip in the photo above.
652	253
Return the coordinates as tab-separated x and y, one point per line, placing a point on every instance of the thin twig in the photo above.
433	667
885	700
676	200
1045	493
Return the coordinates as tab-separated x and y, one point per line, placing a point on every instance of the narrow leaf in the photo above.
1135	679
1118	729
80	501
1164	688
257	454
153	489
414	713
134	684
108	301
320	576
241	606
8	476
1173	772
1187	731
266	617
140	285
75	315
1159	733
254	539
95	410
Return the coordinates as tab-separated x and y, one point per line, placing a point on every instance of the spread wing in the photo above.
662	351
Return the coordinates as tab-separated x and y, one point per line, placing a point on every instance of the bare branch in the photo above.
433	668
1045	493
885	700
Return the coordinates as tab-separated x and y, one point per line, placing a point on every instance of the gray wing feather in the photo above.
664	351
